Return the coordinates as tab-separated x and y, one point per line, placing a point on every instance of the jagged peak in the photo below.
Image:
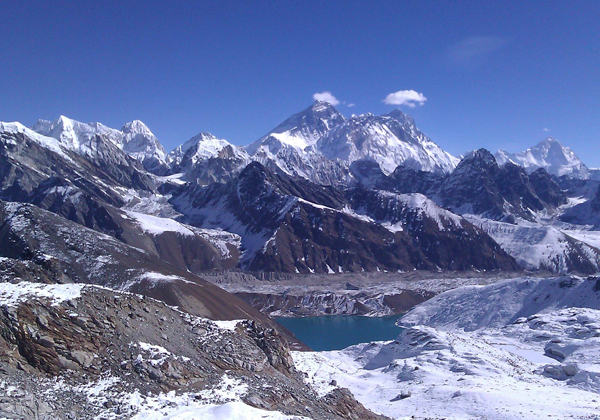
202	136
198	138
136	127
550	154
401	117
322	106
480	155
253	170
64	120
203	146
302	129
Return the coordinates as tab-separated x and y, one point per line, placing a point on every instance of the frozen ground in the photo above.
220	403
517	349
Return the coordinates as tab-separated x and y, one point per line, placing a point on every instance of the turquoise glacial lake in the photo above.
335	332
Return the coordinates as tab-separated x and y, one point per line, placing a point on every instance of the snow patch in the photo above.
11	294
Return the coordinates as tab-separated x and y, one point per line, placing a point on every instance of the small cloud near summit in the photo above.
547	130
326	97
410	98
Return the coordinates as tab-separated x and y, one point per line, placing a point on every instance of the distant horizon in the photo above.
495	74
169	149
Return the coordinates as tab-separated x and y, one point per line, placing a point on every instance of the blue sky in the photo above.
494	74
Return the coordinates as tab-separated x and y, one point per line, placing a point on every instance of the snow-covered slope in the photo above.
538	247
524	348
139	143
548	154
390	140
319	142
204	146
135	139
290	146
301	130
44	141
75	135
205	159
495	305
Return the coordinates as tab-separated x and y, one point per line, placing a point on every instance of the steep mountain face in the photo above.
139	143
319	144
293	225
75	135
479	186
586	208
37	169
291	146
546	188
403	180
301	130
443	237
205	159
548	154
30	162
390	140
135	139
252	205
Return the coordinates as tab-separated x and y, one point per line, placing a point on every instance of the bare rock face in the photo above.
293	225
85	357
478	185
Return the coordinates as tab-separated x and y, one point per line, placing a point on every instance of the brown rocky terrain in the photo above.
86	354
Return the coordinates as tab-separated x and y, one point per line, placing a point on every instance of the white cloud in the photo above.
326	97
472	51
547	130
350	105
410	98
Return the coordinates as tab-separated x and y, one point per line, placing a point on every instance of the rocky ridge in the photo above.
72	351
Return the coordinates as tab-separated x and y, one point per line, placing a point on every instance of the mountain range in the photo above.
108	243
320	193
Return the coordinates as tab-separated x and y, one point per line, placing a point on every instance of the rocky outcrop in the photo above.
41	246
104	347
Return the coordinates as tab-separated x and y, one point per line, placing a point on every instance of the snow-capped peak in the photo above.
549	154
139	142
75	135
135	139
301	130
136	127
204	146
390	140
